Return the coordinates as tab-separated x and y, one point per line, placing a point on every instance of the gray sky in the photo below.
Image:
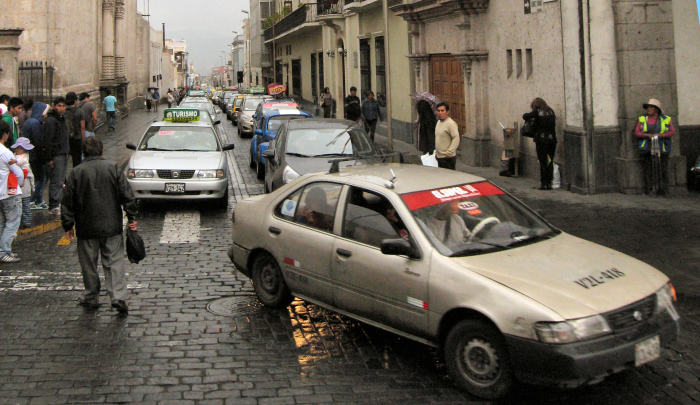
206	25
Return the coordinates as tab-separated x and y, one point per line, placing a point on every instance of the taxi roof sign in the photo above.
181	115
196	93
257	90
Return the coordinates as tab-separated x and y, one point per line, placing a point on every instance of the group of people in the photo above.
153	98
368	109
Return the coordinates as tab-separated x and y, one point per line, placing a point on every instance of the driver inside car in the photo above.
448	227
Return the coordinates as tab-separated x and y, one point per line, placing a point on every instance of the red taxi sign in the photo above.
427	198
273	105
275	89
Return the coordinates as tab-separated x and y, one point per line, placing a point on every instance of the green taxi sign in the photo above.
196	93
257	90
181	115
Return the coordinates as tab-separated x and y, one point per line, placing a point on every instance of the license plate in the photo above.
647	351
174	188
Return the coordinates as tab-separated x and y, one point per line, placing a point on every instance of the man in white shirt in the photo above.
4	99
10	205
446	138
448	227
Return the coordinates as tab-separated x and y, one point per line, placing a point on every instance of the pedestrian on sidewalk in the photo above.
109	101
370	114
56	136
156	100
426	127
34	131
4	99
10	204
446	138
654	123
90	114
170	98
149	100
25	114
75	121
14	108
326	102
21	149
545	138
353	111
96	191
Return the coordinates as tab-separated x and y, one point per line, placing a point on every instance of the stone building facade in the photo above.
594	62
93	46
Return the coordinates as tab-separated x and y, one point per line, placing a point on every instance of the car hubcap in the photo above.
480	362
269	279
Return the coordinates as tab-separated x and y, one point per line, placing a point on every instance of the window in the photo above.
519	62
380	92
287	208
321	79
296	77
289	50
314	85
528	62
509	62
278	72
370	218
317	205
365	70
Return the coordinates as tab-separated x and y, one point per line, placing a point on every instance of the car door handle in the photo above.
274	230
343	252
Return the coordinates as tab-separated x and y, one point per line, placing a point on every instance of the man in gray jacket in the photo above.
96	190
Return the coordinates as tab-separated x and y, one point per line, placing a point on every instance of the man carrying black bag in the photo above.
94	195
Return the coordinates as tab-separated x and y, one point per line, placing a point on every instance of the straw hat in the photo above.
656	103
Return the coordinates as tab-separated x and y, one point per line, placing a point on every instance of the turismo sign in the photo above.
181	115
257	90
196	93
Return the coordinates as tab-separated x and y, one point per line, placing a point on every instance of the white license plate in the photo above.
174	188
647	351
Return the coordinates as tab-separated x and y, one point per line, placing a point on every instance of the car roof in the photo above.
290	113
409	178
321	123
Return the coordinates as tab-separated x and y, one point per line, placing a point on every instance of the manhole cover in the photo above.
235	306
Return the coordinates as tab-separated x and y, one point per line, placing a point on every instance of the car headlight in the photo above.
572	331
289	174
210	174
139	174
665	298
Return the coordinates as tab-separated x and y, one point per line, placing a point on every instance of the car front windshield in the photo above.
179	138
274	123
476	218
237	102
252	104
328	142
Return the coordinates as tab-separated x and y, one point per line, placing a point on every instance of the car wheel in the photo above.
260	170
477	359
222	202
266	189
269	284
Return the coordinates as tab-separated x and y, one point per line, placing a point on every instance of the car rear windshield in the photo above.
237	102
328	142
252	103
179	138
475	218
195	105
274	123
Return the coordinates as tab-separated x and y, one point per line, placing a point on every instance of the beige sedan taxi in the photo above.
453	261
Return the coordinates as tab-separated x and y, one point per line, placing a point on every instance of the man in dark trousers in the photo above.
352	105
56	142
95	193
75	120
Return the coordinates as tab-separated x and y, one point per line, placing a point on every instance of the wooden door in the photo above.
447	83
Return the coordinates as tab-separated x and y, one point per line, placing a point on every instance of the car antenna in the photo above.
390	184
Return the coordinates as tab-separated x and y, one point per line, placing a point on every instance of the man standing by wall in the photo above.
352	105
371	113
34	131
10	205
14	108
56	137
109	103
90	114
75	120
94	196
446	138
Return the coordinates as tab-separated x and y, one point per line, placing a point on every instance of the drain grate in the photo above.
235	306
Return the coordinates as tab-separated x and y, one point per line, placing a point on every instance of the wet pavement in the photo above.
174	348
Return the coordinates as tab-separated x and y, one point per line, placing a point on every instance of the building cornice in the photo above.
422	10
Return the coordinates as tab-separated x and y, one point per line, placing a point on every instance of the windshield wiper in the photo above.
333	154
474	249
297	154
531	239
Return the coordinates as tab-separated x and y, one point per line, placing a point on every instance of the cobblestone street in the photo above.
173	349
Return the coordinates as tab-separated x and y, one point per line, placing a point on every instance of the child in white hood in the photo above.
21	147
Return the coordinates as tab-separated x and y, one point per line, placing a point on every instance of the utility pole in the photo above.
387	74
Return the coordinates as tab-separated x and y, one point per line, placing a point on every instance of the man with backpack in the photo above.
75	121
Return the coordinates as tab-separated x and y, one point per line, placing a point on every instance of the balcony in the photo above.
305	14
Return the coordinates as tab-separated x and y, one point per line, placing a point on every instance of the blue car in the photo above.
270	121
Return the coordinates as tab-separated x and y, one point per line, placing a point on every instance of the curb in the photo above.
24	234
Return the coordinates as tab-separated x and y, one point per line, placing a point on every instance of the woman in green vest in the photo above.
654	123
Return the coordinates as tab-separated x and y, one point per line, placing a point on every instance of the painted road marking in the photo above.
47	280
181	227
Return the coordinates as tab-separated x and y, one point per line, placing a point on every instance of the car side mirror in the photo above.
258	132
229	146
217	122
255	116
397	247
269	154
131	146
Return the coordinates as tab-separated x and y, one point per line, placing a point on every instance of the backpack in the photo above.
73	123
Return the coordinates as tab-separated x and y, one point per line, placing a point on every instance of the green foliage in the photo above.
277	17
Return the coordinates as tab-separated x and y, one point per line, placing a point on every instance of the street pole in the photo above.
387	74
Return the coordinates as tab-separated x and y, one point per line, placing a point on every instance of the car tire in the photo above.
260	170
222	203
477	358
269	284
266	189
